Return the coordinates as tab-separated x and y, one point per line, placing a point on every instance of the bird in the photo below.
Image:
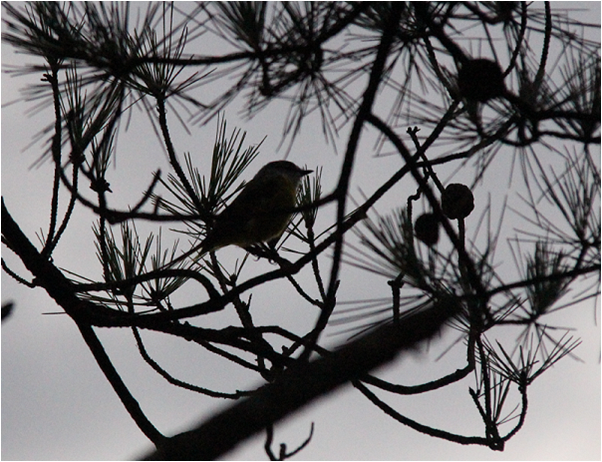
261	211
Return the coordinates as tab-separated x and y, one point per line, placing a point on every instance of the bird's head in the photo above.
282	168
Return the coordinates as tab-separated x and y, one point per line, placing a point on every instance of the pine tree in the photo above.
449	95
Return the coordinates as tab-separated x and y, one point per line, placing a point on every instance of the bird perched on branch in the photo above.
261	211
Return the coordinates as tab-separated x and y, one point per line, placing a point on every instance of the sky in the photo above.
56	404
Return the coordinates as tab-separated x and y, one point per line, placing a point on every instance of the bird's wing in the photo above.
257	197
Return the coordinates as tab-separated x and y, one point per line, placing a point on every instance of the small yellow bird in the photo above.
261	211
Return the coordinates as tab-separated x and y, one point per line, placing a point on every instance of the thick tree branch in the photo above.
302	384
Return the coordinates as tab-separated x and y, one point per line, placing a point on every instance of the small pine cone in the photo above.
426	228
481	80
457	201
